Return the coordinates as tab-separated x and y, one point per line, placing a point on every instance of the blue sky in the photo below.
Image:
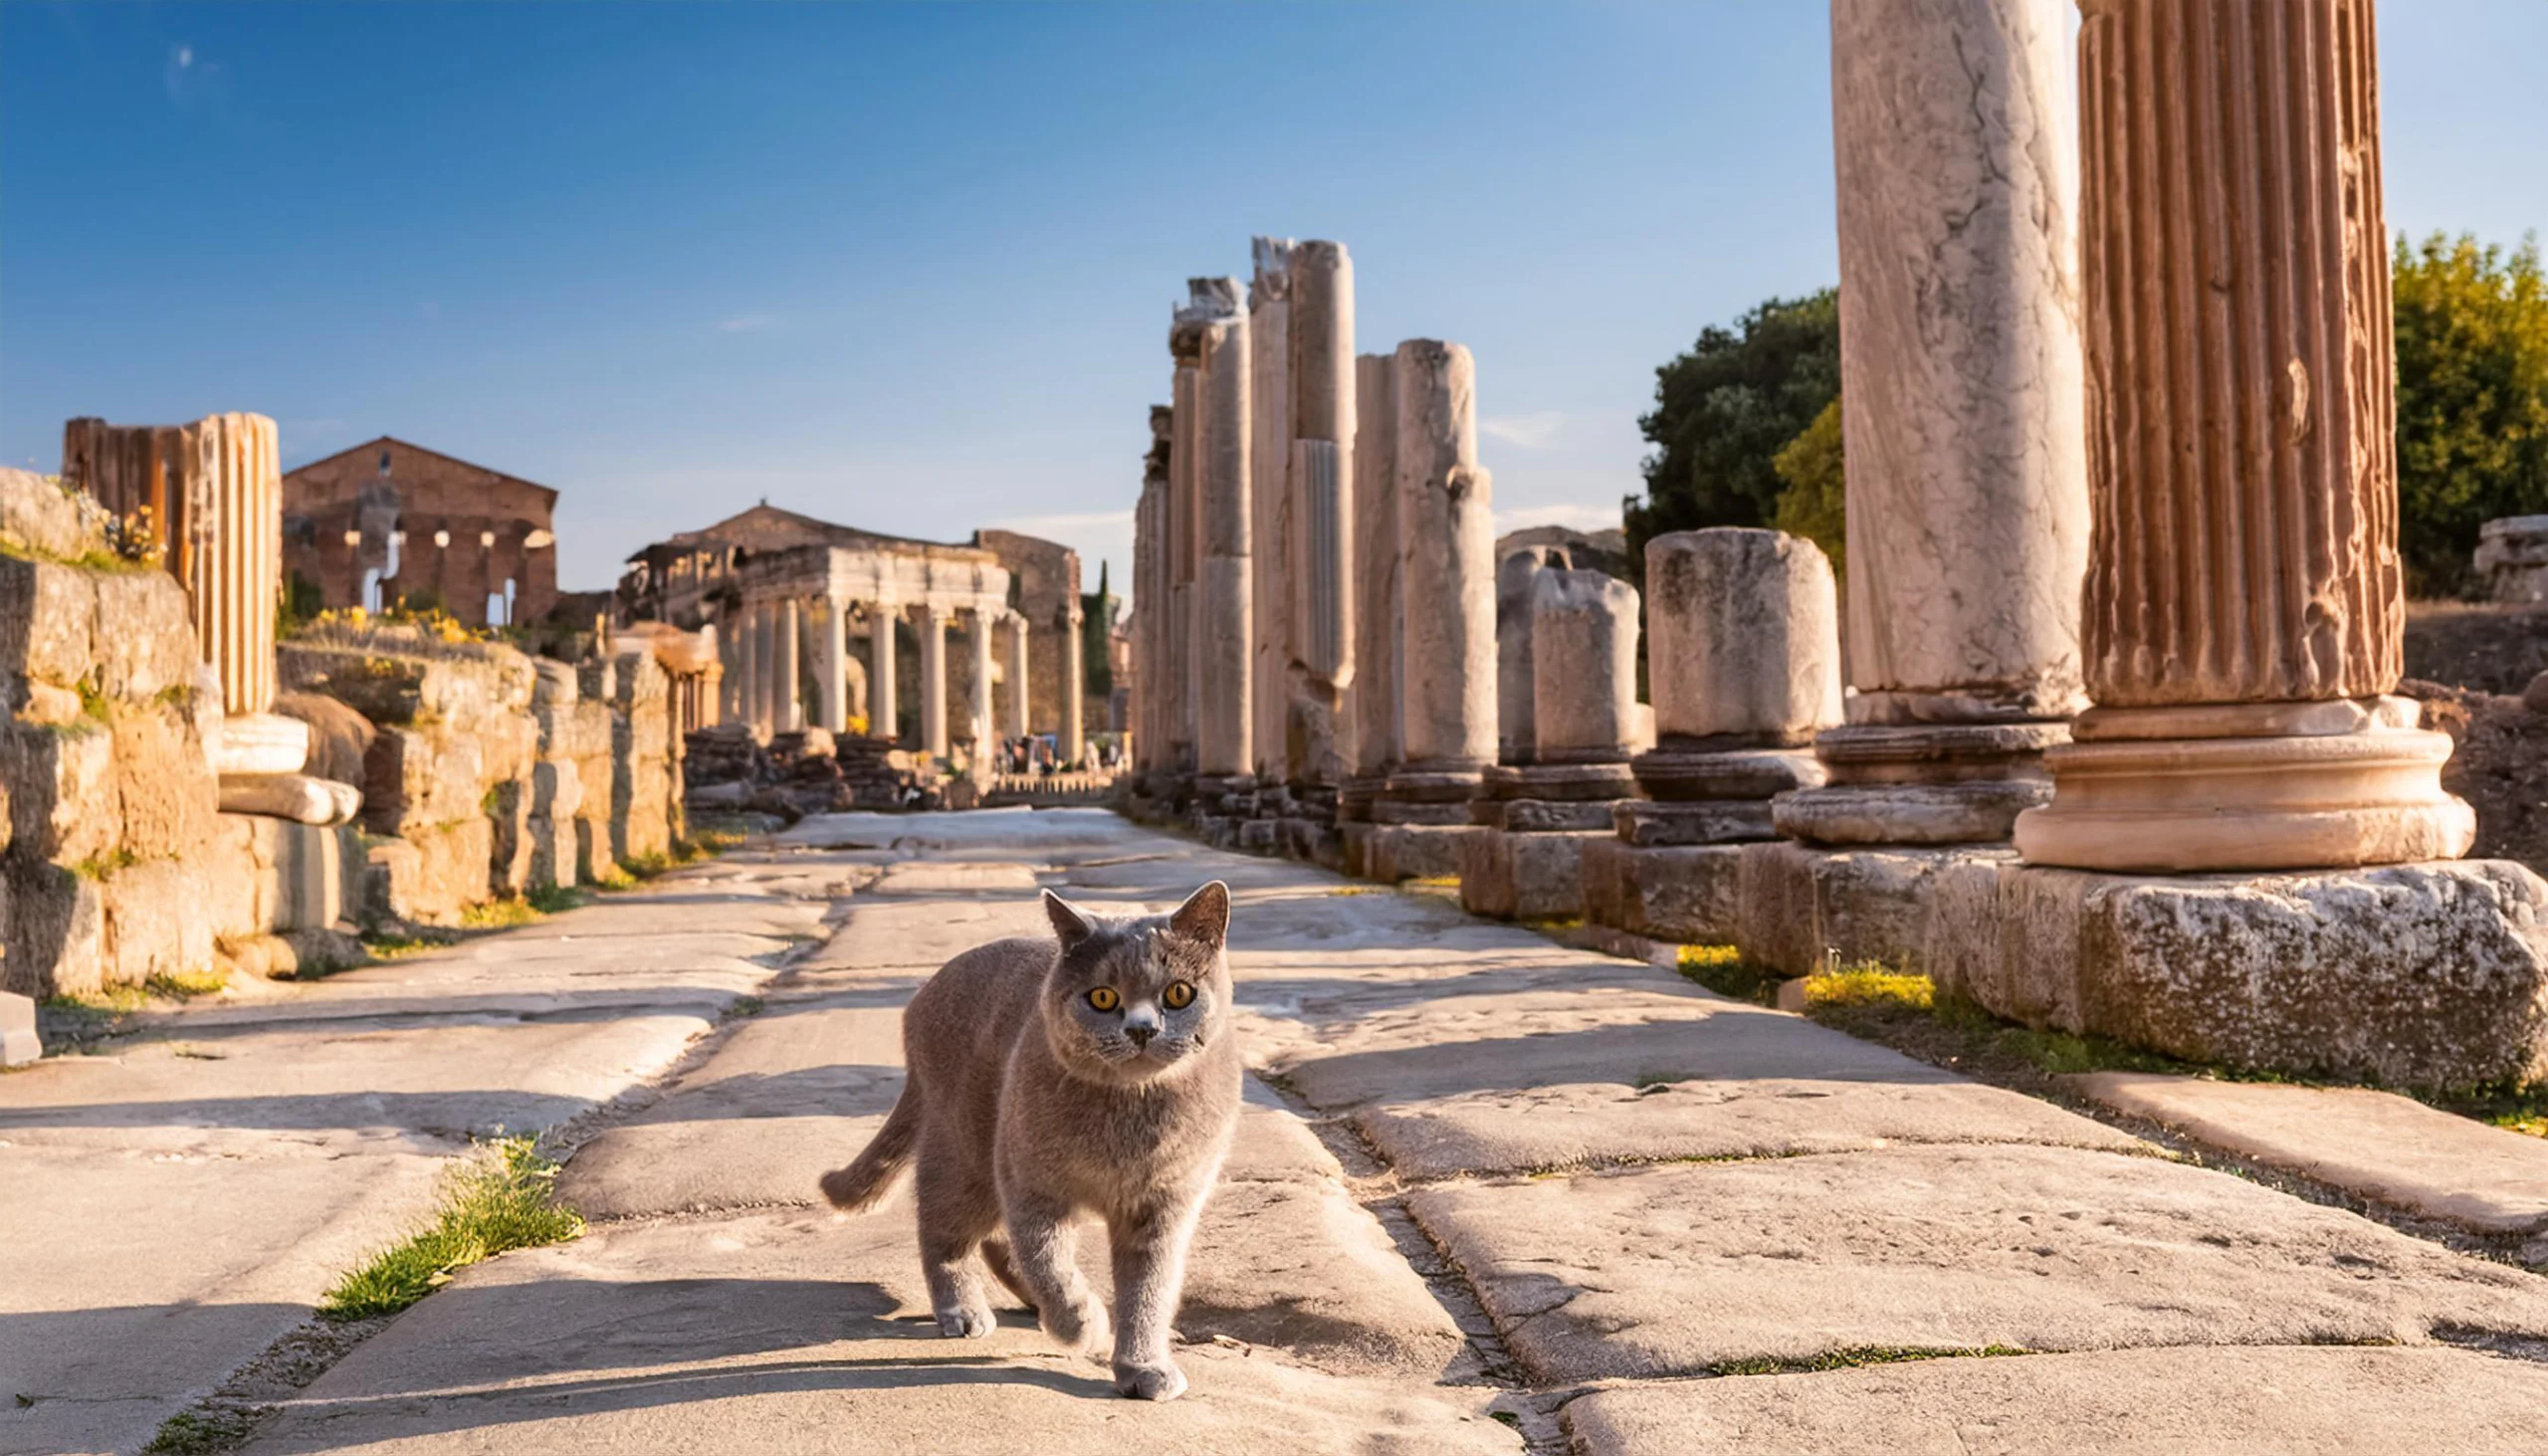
910	267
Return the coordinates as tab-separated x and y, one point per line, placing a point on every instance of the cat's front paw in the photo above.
1162	1381
1084	1330
966	1321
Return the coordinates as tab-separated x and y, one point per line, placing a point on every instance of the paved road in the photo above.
1488	1191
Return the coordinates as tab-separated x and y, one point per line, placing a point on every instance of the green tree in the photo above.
2472	399
1097	628
1724	409
1814	504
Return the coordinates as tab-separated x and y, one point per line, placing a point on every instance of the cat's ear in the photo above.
1071	924
1204	917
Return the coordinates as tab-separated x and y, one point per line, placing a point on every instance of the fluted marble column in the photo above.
931	624
1961	406
765	667
1446	576
1151	598
883	691
831	658
2244	604
1220	643
1269	343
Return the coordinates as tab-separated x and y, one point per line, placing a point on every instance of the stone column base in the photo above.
2426	975
1925	783
1526	877
1685	893
2249	786
1801	907
1415	850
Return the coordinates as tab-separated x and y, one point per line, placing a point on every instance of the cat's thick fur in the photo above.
1050	1082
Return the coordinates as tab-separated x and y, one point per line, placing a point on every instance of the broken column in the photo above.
1320	564
208	499
1514	705
1150	609
1526	860
1967	511
1074	743
2244	607
1214	332
1372	699
1446	588
1743	659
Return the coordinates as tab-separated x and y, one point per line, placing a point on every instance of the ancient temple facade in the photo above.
389	522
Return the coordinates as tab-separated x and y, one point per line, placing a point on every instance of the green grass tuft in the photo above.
1722	969
201	1433
556	899
1853	1357
499	915
108	1001
183	985
503	1198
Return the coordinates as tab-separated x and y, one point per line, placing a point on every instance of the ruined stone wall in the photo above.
107	799
447	776
646	769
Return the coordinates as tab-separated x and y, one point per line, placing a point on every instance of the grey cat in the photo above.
1100	1079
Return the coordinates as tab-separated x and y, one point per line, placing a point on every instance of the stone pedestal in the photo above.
1800	909
1744	665
1535	818
2429	977
1960	398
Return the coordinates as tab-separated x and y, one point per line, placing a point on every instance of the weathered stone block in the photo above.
2432	976
158	921
1691	895
339	736
62	786
145	642
1801	906
164	788
1717	821
1416	851
1523	875
432	874
56	932
552	850
19	1044
48	621
418	779
508	807
44	517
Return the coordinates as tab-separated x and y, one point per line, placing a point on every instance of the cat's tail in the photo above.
871	1175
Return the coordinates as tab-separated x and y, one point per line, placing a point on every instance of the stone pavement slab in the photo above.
1676	1269
795	1333
2202	1401
1593	1123
2388	1148
182	1196
793	1091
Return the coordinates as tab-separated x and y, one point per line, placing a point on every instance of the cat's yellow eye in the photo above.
1178	995
1104	999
